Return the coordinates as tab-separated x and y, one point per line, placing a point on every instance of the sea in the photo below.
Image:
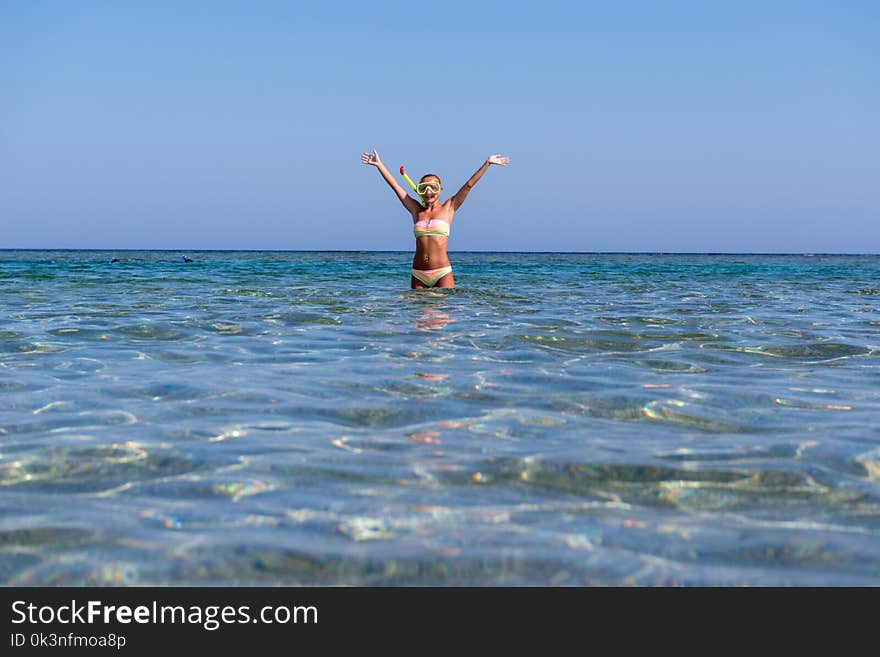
558	419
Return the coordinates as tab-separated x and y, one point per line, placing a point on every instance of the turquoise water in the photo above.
559	419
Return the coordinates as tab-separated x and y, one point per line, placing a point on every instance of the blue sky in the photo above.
631	126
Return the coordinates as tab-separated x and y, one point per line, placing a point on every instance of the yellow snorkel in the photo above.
412	184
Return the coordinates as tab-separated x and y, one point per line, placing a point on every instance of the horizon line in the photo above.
688	253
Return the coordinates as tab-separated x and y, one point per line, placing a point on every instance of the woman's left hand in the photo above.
497	159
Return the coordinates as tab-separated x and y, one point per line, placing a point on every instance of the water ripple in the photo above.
558	419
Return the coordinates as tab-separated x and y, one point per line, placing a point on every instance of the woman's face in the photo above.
429	188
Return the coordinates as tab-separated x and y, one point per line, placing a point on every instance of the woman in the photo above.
431	221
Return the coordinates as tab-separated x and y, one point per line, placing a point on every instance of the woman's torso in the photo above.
431	247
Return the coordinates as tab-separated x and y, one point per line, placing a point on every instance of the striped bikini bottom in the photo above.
430	277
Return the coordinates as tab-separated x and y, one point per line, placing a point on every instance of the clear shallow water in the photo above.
304	418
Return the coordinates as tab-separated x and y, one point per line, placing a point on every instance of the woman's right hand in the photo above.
371	158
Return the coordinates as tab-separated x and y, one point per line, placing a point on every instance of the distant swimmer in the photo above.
187	259
431	218
115	261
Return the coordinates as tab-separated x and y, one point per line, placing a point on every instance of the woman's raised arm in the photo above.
462	193
408	201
